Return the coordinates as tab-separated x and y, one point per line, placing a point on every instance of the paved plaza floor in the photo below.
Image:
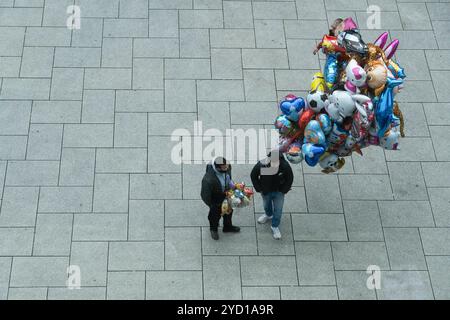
87	181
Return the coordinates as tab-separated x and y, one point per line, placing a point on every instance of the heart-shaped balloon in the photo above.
312	153
314	133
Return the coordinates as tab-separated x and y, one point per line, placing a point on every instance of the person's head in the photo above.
221	164
337	27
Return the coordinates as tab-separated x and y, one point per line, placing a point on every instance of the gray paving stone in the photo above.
201	18
148	74
155	186
16	242
130	28
77	167
27	294
363	221
67	84
214	115
156	48
111	193
359	255
176	4
415	62
53	235
13	147
25	89
388	20
345	5
405	249
175	213
305	29
437	114
44	142
56	112
100	227
299	54
32	173
174	285
92	293
48	37
18	17
11	41
139	101
19	207
268	246
30	3
253	112
238	14
286	266
163	23
407	181
438	59
264	58
37	62
418	91
415	120
309	293
191	180
226	64
274	10
239	244
2	176
14	117
441	205
315	263
162	162
100	8
270	34
130	130
438	270
104	78
406	214
328	185
439	135
98	106
65	199
410	152
117	53
440	85
259	85
218	284
434	240
187	69
39	271
436	174
440	29
126	286
377	187
52	12
207	4
180	96
92	259
405	285
194	43
78	57
159	126
232	38
294	202
9	67
146	220
310	10
136	256
90	35
351	285
88	135
260	293
183	249
319	227
291	80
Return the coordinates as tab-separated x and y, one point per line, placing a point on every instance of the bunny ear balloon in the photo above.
351	103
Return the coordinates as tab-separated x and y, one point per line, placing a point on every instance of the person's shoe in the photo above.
214	235
276	233
264	218
233	229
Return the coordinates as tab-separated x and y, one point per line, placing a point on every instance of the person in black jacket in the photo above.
273	185
215	183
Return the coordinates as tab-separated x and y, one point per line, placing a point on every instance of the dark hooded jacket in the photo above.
211	193
279	182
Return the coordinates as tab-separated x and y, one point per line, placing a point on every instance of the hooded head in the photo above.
220	164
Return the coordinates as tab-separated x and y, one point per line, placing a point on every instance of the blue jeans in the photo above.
273	206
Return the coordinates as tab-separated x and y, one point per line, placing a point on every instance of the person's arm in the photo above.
289	178
254	175
206	193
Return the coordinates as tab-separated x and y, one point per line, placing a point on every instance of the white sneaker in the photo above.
276	233
264	218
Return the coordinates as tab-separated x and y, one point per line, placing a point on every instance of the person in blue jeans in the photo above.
273	179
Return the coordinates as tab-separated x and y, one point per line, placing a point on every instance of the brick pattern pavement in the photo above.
85	171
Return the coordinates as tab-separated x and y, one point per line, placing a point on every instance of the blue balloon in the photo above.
314	133
291	108
331	69
385	106
312	153
325	123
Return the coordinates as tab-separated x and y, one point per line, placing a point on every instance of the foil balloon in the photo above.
283	124
390	140
294	153
312	153
304	119
385	106
330	162
325	123
291	107
314	133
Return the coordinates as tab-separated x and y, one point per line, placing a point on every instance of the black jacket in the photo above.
280	182
211	192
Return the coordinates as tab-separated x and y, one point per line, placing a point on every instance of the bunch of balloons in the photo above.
238	196
350	105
